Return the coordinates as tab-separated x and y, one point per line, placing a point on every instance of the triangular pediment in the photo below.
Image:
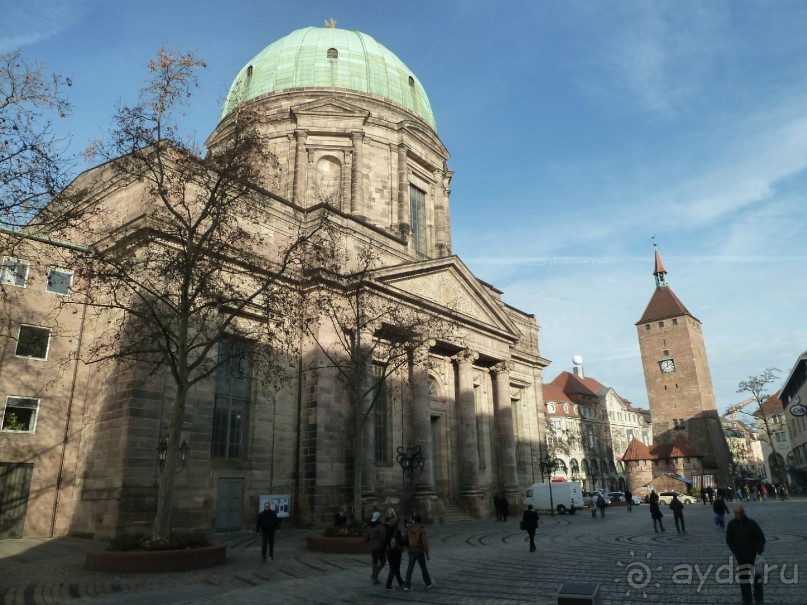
428	137
448	284
330	107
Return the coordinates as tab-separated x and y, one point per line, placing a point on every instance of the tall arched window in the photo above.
329	180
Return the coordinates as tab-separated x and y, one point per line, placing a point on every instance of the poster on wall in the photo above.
280	504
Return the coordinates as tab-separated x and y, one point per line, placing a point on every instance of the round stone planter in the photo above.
149	561
337	544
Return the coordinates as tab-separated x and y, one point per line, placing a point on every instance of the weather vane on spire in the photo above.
330	23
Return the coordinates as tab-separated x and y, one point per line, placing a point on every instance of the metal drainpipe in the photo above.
67	421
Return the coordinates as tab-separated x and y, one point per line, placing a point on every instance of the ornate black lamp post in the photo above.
162	453
411	460
548	466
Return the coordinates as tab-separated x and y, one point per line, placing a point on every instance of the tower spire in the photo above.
660	272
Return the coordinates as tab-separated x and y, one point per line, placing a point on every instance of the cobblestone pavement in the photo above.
472	562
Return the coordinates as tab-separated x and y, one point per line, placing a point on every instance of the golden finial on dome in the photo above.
330	23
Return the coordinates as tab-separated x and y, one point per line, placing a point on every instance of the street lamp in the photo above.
162	453
548	466
411	460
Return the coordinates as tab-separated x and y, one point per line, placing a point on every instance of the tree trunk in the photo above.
358	467
165	493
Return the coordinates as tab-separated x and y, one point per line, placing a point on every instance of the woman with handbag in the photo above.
529	522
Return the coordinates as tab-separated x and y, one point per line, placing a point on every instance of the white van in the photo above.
567	496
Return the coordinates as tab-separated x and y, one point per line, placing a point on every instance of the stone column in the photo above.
300	168
440	196
357	205
469	451
404	226
421	423
508	476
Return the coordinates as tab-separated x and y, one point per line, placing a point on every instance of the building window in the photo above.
417	217
661	324
333	53
59	281
249	71
233	380
647	326
14	272
20	414
411	81
434	387
33	342
675	322
381	414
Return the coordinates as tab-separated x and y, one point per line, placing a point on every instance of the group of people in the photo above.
387	541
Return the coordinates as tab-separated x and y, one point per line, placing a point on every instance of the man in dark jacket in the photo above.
418	544
377	537
530	520
746	541
267	524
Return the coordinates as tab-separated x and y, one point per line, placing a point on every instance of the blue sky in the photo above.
578	131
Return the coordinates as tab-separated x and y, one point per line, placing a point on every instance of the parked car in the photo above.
620	497
666	498
617	497
590	498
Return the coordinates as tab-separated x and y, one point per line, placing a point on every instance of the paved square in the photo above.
472	562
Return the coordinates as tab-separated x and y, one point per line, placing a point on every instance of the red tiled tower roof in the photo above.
663	305
636	451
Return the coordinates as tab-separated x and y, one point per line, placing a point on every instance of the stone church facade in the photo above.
352	131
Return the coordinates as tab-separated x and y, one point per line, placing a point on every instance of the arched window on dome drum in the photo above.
417	218
333	53
329	181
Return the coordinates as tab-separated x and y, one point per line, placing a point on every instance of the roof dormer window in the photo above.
249	71
333	53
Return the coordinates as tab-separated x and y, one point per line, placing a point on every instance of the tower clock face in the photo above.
667	366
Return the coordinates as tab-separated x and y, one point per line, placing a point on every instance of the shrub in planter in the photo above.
127	542
354	529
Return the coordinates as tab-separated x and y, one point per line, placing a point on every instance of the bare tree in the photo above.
369	337
757	388
32	160
201	261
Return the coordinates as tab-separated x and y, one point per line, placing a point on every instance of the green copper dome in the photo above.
332	58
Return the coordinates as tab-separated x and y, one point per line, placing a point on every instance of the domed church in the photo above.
351	129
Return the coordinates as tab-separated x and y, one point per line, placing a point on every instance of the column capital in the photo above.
466	355
503	366
357	136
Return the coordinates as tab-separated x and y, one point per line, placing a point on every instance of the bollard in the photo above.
579	593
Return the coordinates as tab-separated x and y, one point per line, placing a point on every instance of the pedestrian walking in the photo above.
505	508
764	492
418	546
377	538
530	522
677	508
601	504
394	548
720	509
629	500
266	526
497	504
746	541
655	512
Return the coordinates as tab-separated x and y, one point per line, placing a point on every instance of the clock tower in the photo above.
679	384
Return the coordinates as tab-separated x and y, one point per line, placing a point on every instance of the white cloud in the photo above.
26	23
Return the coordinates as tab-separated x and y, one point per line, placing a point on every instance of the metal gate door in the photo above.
15	483
230	504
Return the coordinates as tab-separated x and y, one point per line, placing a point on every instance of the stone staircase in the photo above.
454	514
